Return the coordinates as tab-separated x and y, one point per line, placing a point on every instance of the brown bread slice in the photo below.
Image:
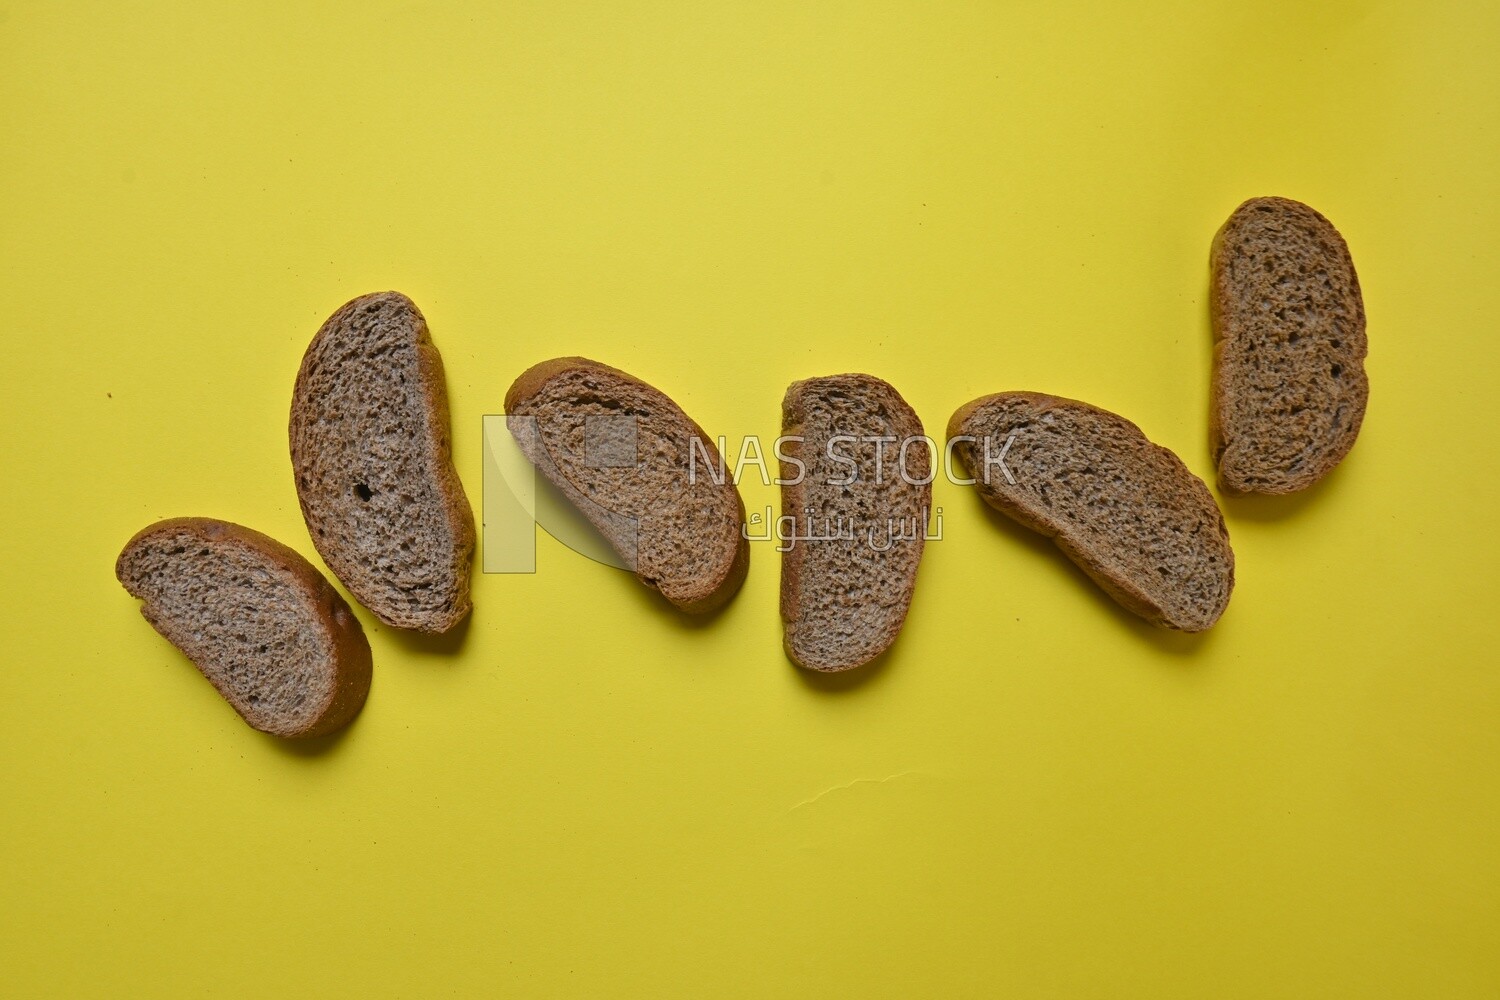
623	453
845	598
1289	384
262	625
1127	511
374	470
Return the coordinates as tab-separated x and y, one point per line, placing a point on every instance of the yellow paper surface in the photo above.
584	794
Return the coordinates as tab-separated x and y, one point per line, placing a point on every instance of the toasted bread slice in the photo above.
643	473
1127	511
256	618
857	487
374	470
1289	383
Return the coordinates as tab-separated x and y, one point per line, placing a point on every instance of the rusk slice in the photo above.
857	488
1289	383
275	639
1127	511
375	478
641	470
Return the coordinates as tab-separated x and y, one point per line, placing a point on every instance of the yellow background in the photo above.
586	795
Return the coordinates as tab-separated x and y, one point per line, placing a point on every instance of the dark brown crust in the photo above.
450	488
793	498
1221	293
530	383
1126	593
455	501
352	663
